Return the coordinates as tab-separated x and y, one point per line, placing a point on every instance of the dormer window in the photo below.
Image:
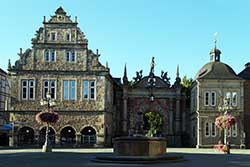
68	36
53	36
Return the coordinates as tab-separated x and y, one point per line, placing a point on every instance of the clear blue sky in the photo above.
132	31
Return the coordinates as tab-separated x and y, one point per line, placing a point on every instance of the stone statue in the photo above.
152	65
138	76
165	78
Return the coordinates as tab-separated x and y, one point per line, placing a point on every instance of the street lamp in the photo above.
49	102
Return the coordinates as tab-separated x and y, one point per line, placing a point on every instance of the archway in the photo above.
42	135
25	136
153	123
68	136
88	135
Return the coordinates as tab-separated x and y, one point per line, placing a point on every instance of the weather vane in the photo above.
215	39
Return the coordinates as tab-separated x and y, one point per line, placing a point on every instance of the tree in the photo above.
186	85
155	123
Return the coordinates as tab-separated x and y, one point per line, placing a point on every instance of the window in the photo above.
73	56
234	130
234	99
206	98
68	36
213	129
69	90
50	55
228	98
67	56
207	129
85	89
28	89
70	56
92	90
213	98
47	55
210	129
89	90
53	36
49	85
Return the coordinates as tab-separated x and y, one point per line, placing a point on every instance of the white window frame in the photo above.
22	87
90	87
213	92
49	87
51	51
69	90
229	94
213	127
234	103
83	90
53	32
73	51
68	33
207	131
206	103
67	53
234	131
28	87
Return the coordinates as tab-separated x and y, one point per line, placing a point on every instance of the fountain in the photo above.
137	147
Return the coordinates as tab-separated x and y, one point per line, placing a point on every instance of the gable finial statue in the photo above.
152	65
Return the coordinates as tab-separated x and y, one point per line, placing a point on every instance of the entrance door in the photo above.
88	135
26	136
43	134
68	136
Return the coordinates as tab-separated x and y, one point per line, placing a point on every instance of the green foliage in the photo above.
155	122
186	85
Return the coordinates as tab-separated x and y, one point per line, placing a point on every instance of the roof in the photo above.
2	71
216	70
245	74
60	10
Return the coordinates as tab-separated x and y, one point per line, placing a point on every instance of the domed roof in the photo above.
216	70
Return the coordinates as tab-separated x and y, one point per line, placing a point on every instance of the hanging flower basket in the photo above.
47	117
225	121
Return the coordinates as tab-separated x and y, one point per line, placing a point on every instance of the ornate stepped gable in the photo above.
67	37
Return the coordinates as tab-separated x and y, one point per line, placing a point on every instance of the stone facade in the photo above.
163	98
213	82
4	104
60	55
245	74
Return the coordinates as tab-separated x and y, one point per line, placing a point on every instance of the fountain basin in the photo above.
140	146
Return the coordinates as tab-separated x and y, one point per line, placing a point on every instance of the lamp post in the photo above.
225	108
49	102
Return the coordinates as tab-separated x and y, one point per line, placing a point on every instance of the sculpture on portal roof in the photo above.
152	65
138	76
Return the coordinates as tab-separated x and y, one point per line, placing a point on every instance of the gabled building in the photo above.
61	63
4	105
245	74
213	82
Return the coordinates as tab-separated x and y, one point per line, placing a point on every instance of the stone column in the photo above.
125	112
177	116
170	114
78	139
57	139
199	132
